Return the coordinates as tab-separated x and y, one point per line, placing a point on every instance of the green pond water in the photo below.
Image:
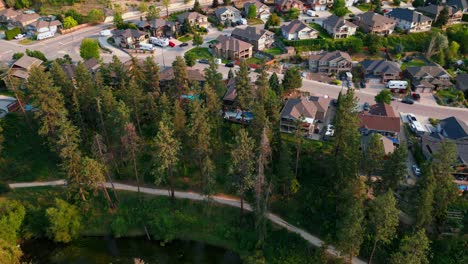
102	250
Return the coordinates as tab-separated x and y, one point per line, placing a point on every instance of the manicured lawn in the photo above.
449	93
185	38
274	51
254	21
364	7
200	53
322	32
254	60
414	62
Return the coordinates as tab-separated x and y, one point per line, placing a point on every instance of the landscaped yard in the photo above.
254	60
254	21
274	51
185	38
452	97
364	7
200	53
322	32
413	62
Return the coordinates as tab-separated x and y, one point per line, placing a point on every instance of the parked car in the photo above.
19	36
416	96
204	61
407	100
229	64
335	102
363	84
366	106
416	170
185	44
330	132
411	118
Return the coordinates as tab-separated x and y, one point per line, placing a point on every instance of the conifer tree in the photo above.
151	77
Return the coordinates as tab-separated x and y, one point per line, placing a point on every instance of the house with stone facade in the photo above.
231	48
260	38
330	62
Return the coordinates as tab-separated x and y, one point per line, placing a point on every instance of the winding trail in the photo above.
199	197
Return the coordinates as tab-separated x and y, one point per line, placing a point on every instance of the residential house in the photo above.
461	82
309	112
433	11
228	13
232	49
260	38
231	110
410	20
284	6
263	11
386	70
163	28
297	30
6	15
166	76
320	5
194	19
23	20
449	129
380	118
338	27
92	65
229	98
428	78
42	26
129	38
22	66
330	62
459	5
375	23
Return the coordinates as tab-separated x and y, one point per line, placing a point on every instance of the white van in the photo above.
144	46
45	35
397	85
311	13
105	33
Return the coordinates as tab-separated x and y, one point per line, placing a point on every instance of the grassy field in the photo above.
274	51
26	156
201	53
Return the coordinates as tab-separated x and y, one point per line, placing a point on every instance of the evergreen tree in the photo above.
214	79
413	249
374	155
275	84
151	76
252	11
230	74
197	39
186	27
197	7
383	219
130	142
292	79
425	198
243	88
167	149
442	18
395	168
243	164
181	83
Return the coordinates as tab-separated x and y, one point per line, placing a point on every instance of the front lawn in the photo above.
254	21
200	53
322	32
274	51
185	38
364	7
451	97
413	63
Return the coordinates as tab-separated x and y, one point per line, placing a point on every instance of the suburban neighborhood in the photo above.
338	128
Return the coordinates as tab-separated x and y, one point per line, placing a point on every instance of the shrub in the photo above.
95	16
89	48
36	54
18	55
69	22
10	34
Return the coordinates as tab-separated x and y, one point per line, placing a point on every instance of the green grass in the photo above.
322	32
26	156
254	21
364	7
185	38
413	63
274	51
201	53
254	60
449	93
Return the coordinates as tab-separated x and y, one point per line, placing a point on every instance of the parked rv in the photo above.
162	42
144	46
311	13
45	35
397	84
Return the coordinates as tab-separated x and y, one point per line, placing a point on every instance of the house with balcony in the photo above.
284	6
20	68
161	27
461	5
228	13
375	23
307	112
194	19
42	26
297	30
433	11
385	69
320	5
338	27
260	38
330	62
428	78
231	48
263	11
410	20
129	38
380	118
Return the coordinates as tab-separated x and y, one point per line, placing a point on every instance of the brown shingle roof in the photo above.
9	13
331	56
335	21
26	18
193	74
380	117
190	16
250	33
308	107
294	26
374	19
230	43
26	62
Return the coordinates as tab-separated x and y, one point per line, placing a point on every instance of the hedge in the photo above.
11	34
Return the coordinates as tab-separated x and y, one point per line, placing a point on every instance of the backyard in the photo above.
414	62
200	53
274	51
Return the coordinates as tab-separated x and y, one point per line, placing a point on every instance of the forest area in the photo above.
124	124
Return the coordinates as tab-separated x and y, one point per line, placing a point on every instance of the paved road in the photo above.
199	197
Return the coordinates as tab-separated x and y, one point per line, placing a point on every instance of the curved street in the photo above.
199	197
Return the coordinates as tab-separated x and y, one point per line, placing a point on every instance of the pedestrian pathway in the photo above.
199	197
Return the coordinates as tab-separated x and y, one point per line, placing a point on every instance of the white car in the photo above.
105	33
411	118
330	131
19	36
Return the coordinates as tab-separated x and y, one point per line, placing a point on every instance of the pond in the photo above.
106	250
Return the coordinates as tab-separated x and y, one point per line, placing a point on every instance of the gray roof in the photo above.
374	19
189	15
27	62
383	66
159	22
127	33
294	26
462	81
459	4
250	33
335	21
427	71
434	10
434	140
308	107
454	128
223	9
408	15
335	56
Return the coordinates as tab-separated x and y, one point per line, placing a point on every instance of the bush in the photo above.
11	34
36	54
95	16
69	22
89	48
18	55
